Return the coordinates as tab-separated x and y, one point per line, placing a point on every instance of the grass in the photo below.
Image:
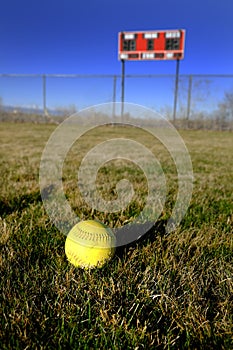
168	291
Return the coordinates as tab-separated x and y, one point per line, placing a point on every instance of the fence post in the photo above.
114	97
189	96
44	95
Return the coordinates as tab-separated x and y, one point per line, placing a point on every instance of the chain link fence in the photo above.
203	101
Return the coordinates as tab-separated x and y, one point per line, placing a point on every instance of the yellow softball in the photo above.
90	244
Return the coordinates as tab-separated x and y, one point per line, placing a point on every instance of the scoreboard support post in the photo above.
114	97
176	89
122	89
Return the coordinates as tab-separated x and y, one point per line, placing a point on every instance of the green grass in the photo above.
169	291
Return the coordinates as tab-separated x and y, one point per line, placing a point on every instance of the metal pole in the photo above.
176	89
189	97
44	96
122	89
114	97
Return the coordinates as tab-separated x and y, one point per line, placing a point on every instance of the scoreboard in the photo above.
151	45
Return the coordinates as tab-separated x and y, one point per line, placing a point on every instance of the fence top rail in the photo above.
19	75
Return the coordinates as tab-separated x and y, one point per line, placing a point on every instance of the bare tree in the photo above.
192	93
224	114
66	110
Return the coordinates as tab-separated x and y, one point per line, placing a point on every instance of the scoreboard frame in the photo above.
151	45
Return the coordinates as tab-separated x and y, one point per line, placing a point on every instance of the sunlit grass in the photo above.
169	291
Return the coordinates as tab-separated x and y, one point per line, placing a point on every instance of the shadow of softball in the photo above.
138	235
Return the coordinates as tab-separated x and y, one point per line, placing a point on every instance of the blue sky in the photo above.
80	37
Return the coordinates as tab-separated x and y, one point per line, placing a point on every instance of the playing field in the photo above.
168	291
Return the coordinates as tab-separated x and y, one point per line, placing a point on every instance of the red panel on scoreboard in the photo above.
151	45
